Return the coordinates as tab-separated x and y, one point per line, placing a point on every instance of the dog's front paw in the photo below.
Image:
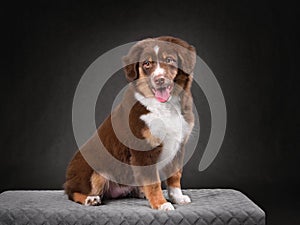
176	196
180	199
166	207
92	201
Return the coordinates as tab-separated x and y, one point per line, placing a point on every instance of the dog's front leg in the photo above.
149	179
155	197
174	189
173	181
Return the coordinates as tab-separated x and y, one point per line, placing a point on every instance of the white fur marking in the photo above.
156	49
165	122
166	207
176	196
92	200
158	71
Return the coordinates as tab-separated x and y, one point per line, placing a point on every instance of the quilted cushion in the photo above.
209	206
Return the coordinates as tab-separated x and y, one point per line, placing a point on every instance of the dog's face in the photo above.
160	65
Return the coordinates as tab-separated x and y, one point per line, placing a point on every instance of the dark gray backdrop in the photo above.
251	46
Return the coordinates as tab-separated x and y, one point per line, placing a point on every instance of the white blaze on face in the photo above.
158	70
156	49
162	94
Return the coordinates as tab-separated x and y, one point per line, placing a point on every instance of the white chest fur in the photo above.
165	122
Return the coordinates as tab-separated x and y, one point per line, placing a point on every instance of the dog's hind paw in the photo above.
92	201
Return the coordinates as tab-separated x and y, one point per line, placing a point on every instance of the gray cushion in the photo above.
209	206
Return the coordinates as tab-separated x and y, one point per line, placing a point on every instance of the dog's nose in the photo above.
159	80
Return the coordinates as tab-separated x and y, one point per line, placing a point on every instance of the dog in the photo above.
157	109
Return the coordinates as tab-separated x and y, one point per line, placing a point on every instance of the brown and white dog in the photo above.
160	71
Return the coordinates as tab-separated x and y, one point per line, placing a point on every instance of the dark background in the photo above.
251	46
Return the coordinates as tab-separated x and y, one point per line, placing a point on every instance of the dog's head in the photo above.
160	67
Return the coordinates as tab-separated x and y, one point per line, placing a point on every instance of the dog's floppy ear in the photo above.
185	51
131	61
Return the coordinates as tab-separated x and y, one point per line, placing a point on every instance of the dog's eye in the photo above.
147	64
170	60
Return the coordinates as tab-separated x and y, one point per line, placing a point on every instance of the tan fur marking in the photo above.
141	72
142	84
153	141
80	198
154	195
97	184
174	180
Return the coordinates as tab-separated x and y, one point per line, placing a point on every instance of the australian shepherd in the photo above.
146	131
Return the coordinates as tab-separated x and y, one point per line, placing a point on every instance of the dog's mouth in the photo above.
162	94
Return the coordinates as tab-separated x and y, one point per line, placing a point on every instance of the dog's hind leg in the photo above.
98	184
97	188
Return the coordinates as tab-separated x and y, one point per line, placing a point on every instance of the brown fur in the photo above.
82	180
98	183
174	181
79	198
154	194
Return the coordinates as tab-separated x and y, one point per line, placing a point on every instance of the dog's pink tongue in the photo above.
162	95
